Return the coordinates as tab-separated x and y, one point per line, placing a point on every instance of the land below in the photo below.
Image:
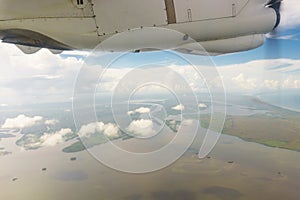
277	127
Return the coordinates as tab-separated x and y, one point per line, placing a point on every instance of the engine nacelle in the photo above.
224	46
220	26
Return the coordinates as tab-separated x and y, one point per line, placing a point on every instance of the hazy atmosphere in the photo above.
153	125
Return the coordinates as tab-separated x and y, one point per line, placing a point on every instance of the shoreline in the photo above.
259	98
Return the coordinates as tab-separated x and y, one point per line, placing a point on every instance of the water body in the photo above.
286	99
8	140
234	170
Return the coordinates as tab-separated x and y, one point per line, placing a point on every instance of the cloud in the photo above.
202	105
261	75
21	121
290	14
52	139
179	107
51	122
110	130
44	77
245	82
40	77
173	79
141	127
291	83
141	110
88	130
272	84
76	53
283	37
47	77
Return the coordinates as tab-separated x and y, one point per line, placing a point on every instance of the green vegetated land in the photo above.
276	128
173	125
89	142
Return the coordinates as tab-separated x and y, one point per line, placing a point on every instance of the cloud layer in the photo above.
261	75
43	77
36	78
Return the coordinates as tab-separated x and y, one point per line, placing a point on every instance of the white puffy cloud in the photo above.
130	112
51	122
36	78
291	83
141	127
272	84
261	75
245	82
52	139
110	130
290	14
21	121
179	107
141	110
202	105
87	130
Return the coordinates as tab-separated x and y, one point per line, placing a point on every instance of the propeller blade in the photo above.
273	2
276	5
273	47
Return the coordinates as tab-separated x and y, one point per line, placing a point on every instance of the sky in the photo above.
44	77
